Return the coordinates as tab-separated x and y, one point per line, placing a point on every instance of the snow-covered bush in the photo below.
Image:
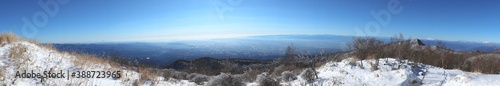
288	76
197	78
265	80
224	80
308	75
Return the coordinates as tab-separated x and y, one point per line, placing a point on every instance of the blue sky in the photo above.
82	21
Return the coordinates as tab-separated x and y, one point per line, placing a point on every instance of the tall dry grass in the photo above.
8	37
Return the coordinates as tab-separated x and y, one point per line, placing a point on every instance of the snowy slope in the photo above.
392	72
40	59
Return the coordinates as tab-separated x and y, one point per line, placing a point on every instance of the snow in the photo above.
349	72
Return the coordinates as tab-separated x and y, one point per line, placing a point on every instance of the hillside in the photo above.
213	66
19	55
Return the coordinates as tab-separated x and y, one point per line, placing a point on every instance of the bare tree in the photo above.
291	51
366	46
440	44
290	54
294	57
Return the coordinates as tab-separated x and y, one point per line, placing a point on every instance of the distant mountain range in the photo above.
254	47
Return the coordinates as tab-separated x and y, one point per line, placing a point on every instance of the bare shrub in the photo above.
288	76
291	57
169	73
291	51
17	51
265	80
250	75
137	83
366	46
308	75
2	76
485	64
224	79
145	73
197	78
179	75
279	69
440	55
497	52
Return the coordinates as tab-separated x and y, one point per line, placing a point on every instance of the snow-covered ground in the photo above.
349	72
392	72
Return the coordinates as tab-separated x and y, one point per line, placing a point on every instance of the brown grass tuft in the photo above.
145	73
16	52
8	37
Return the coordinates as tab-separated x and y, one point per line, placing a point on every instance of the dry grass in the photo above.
145	73
497	52
48	46
2	76
85	59
16	52
8	37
